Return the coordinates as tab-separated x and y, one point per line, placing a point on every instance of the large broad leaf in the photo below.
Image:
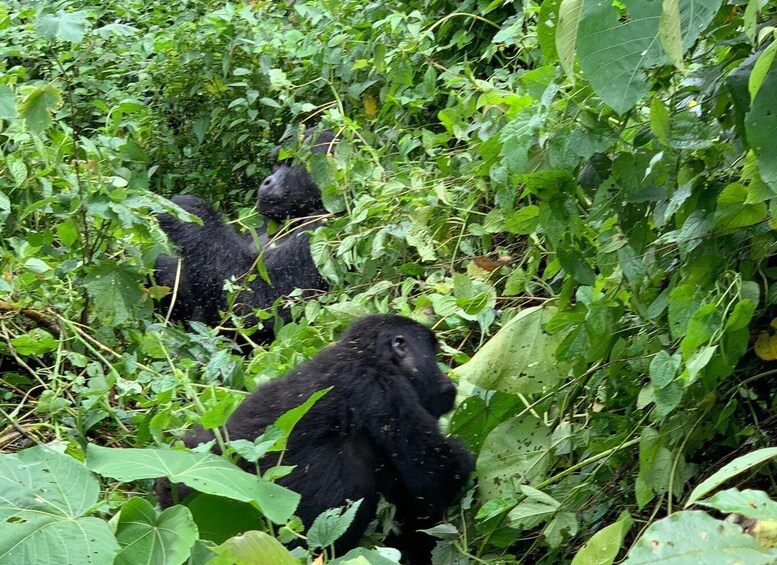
520	358
761	127
737	466
148	537
38	106
616	49
219	518
476	417
67	26
253	548
734	210
202	471
750	503
115	290
43	496
514	453
694	537
613	55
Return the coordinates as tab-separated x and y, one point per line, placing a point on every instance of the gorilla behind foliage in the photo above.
375	432
213	252
289	191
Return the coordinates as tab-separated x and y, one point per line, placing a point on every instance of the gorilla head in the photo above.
289	192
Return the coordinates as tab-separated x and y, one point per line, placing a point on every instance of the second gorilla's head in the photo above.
289	191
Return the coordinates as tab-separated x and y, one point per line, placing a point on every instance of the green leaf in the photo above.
732	469
7	103
694	537
43	497
330	525
547	26
253	548
761	127
604	545
697	361
476	417
741	315
750	503
614	54
616	51
67	26
702	324
660	122
537	508
117	29
371	556
219	518
566	37
201	471
733	210
35	342
682	304
515	453
289	419
67	232
418	234
663	368
146	537
524	221
18	170
517	137
115	290
39	105
520	358
667	398
761	67
669	33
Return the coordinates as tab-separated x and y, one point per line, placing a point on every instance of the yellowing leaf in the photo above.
766	346
370	106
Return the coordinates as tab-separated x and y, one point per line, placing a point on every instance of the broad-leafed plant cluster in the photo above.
578	197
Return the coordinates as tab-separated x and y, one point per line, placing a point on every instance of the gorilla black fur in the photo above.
376	432
289	191
213	252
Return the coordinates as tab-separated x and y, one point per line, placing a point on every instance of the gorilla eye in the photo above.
399	346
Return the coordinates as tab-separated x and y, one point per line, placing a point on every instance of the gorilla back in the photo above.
214	252
376	432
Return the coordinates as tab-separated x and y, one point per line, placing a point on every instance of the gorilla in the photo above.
289	191
374	433
213	252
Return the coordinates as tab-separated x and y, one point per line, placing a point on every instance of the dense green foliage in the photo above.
577	195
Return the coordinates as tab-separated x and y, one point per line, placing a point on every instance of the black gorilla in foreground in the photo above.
213	252
375	432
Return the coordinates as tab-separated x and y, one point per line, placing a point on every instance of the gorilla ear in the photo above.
398	346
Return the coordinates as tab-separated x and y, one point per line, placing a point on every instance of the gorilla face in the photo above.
289	191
